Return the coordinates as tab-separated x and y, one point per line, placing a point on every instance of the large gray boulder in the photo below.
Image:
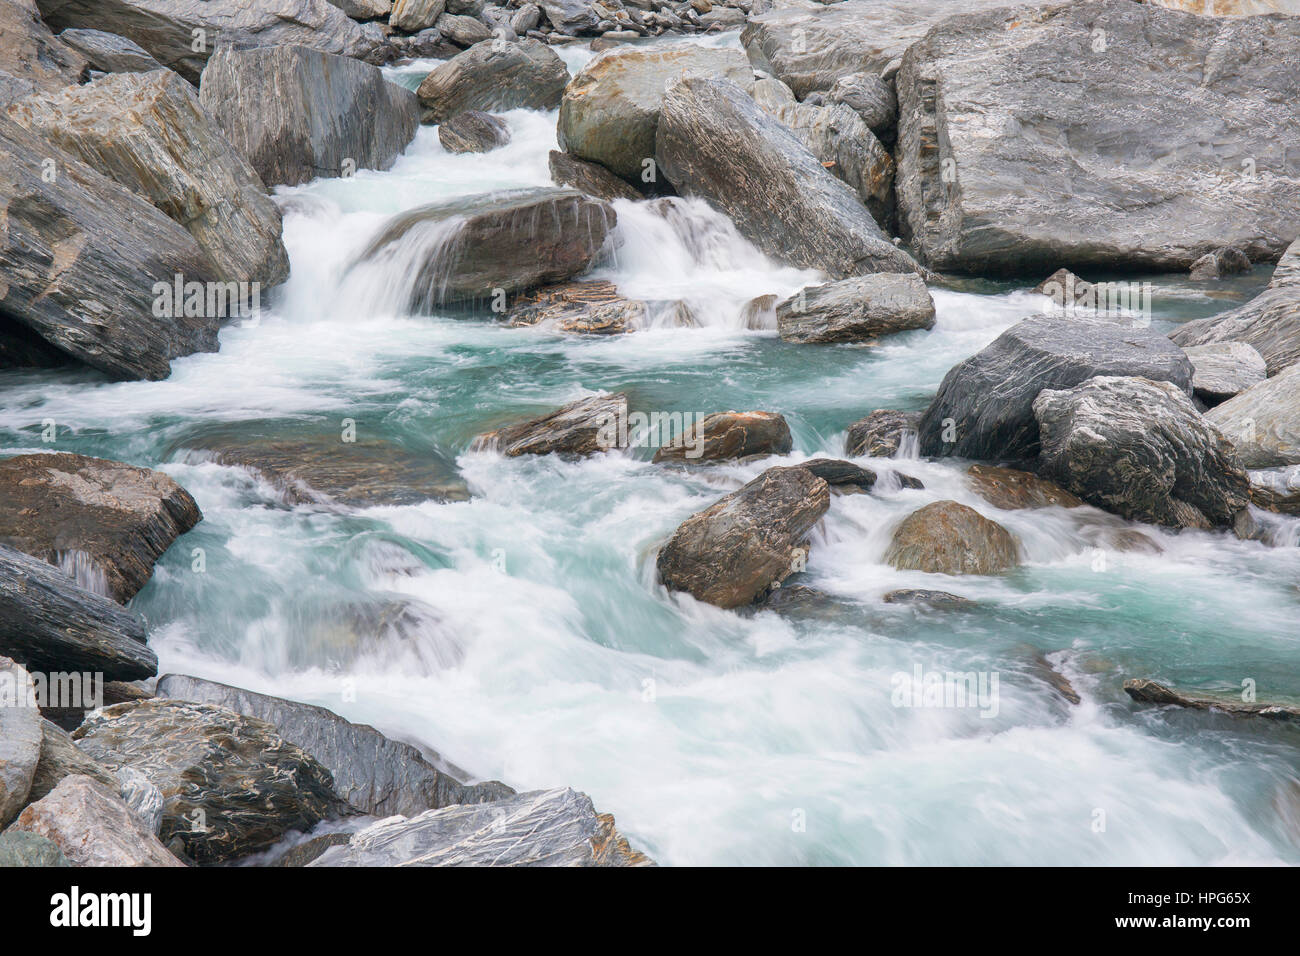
871	98
984	408
860	309
494	76
31	58
148	132
182	34
296	113
1263	422
81	255
464	31
20	739
1103	165
110	53
1140	449
714	142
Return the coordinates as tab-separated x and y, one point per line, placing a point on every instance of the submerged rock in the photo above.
861	309
881	434
589	178
473	132
724	435
20	739
937	600
494	76
945	537
1263	422
1009	489
585	427
1150	692
110	53
1221	370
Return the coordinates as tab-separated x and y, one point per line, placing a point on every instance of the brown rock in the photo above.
945	537
590	178
1010	489
880	434
724	435
584	427
1150	692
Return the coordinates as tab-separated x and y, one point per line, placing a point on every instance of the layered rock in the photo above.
946	537
724	435
416	15
585	427
1151	692
860	309
31	59
592	307
1221	370
20	738
464	31
110	53
473	132
589	178
1263	422
881	434
494	76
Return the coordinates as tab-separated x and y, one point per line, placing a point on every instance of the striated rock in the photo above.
20	848
937	600
296	113
110	53
413	16
1011	490
60	758
1141	450
494	76
1041	352
1221	370
591	307
1227	261
585	427
1150	692
20	739
1229	8
844	476
148	132
746	542
861	309
588	178
871	98
1263	422
714	142
31	58
575	17
1000	172
945	537
364	9
1276	489
144	799
473	132
462	30
881	434
526	18
376	775
543	828
231	784
724	435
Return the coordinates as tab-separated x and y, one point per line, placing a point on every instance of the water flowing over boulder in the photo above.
1221	370
860	309
1000	171
110	53
881	434
296	113
1141	450
585	427
494	76
724	435
1263	422
148	132
946	537
182	34
31	58
747	542
20	739
714	142
473	132
935	600
589	178
984	408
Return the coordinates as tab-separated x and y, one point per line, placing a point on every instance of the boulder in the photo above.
1011	490
585	427
51	624
745	543
494	76
1221	370
1227	261
364	9
182	34
588	178
1043	352
881	434
296	113
610	111
726	435
82	260
144	799
31	58
843	476
91	826
231	784
20	848
1263	422
1001	172
1067	290
20	739
576	17
110	53
714	142
860	309
1150	692
412	16
376	775
593	307
60	758
463	31
473	132
871	98
526	18
1276	489
1141	450
937	600
945	537
148	132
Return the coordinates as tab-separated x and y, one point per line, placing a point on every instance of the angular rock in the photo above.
1066	289
494	77
1227	261
1276	489
881	434
463	31
1221	370
60	758
572	17
473	132
585	427
20	739
746	542
110	53
1263	422
841	475
144	799
946	537
871	98
1001	172
31	59
592	307
1141	450
588	178
231	784
724	435
20	848
416	15
861	309
1150	692
1043	352
526	18
938	600
364	9
1011	490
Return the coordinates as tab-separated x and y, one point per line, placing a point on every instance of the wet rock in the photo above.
148	132
1276	489
494	77
386	630
1042	352
91	826
936	600
1150	692
473	132
800	600
60	758
376	775
585	427
309	850
841	475
1227	261
861	309
945	537
591	307
714	142
871	98
31	58
104	522
543	828
1009	489
1221	370
20	848
110	53
296	113
725	435
588	178
1141	450
1263	422
20	739
881	434
999	172
231	784
412	16
746	542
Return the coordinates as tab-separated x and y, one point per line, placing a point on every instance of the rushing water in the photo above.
537	648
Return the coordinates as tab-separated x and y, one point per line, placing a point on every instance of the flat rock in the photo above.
589	178
1276	489
31	58
494	76
1221	370
860	309
473	132
20	739
1263	422
110	53
60	758
938	600
1010	489
20	848
726	435
881	434
1151	692
585	427
946	537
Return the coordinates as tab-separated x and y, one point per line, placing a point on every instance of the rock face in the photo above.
80	256
610	111
376	775
543	828
945	537
881	434
231	784
585	427
167	28
861	309
103	521
984	409
588	178
31	58
494	76
725	435
110	53
20	739
1221	370
1263	422
148	132
296	113
473	132
1010	489
51	624
1001	172
1141	450
735	550
714	142
1150	692
60	758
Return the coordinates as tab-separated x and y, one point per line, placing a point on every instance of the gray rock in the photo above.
1221	370
588	307
20	848
861	309
844	476
20	738
467	8
473	132
144	799
110	53
1219	263
1140	449
61	758
1276	489
463	31
416	15
727	435
1263	422
714	142
946	537
1151	692
148	132
937	600
1067	290
31	58
494	77
588	178
881	434
364	9
585	427
1002	172
526	18
984	409
571	17
871	98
